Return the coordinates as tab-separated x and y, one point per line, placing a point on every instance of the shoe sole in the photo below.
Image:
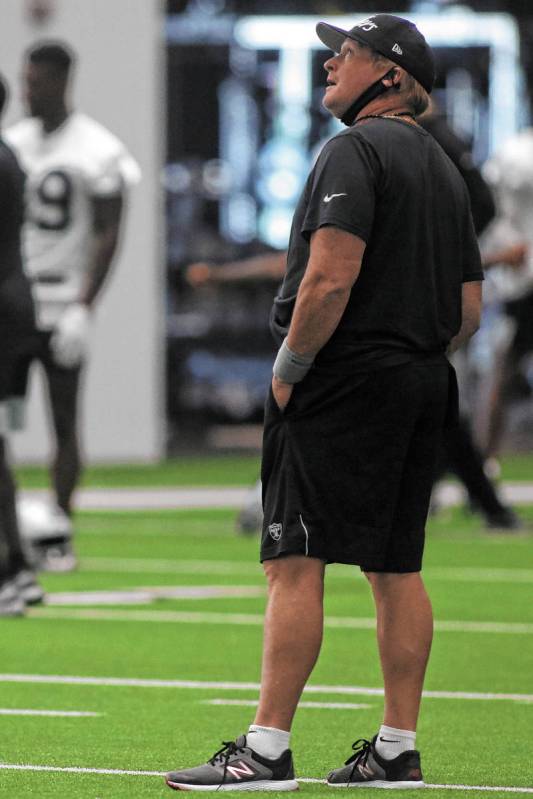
32	597
378	784
12	611
255	785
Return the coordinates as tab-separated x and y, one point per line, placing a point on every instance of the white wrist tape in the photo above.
289	366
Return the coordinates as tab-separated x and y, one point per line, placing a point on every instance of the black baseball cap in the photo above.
396	38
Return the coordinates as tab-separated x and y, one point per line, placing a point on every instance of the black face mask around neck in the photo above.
368	95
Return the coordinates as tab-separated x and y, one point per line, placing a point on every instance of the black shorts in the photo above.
15	363
348	467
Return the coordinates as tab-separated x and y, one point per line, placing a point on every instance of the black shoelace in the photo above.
229	748
361	750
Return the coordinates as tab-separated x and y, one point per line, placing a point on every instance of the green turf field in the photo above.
223	469
169	678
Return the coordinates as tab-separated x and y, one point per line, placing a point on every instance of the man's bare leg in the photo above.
293	636
405	632
505	370
13	559
63	386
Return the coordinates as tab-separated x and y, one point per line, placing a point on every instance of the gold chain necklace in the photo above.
387	116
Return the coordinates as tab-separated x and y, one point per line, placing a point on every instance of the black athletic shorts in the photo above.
15	361
348	467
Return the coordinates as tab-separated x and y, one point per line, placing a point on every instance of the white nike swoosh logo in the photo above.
328	198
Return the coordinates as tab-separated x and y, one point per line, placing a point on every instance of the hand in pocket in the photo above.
281	392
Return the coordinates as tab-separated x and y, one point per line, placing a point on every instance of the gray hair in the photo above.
410	91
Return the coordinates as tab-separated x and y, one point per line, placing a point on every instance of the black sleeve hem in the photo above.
310	227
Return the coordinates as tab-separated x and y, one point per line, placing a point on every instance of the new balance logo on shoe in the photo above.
367	768
236	767
328	197
240	770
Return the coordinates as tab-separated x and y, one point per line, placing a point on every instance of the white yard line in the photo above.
208	685
151	498
131	773
157	566
304	704
143	498
11	711
491	788
257	619
447	787
80	770
145	596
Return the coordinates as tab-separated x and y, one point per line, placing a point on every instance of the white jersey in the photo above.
510	174
66	169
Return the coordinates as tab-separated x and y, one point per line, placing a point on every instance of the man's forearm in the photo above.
470	314
318	310
271	266
104	248
334	263
468	328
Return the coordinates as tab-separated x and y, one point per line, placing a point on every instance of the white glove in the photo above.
70	337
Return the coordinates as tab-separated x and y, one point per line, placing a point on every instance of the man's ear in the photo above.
392	78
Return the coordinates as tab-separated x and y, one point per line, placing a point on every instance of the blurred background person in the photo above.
18	586
460	453
508	241
78	175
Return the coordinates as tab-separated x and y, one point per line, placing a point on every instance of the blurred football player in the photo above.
18	586
509	172
78	173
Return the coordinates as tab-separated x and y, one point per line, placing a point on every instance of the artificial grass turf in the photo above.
198	470
141	730
156	729
189	470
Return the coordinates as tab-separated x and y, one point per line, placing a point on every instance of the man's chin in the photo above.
330	106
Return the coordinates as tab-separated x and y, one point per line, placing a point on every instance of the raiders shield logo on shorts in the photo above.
275	530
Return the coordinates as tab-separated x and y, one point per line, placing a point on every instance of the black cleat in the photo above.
504	521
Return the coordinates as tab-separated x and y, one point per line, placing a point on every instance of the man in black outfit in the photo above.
18	586
383	276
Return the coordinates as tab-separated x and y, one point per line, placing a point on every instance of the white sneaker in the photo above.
28	588
11	603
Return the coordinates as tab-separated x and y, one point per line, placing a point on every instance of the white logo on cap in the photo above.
366	25
397	49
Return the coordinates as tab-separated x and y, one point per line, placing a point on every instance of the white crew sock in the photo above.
268	742
391	742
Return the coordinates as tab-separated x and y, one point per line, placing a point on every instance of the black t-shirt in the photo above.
481	199
16	306
389	183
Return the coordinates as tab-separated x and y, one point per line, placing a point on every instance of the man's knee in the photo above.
65	421
294	572
64	404
66	432
386	582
